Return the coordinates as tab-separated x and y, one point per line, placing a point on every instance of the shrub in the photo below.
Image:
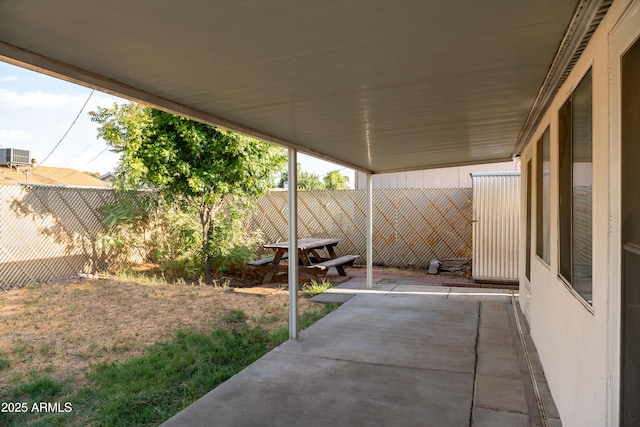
143	225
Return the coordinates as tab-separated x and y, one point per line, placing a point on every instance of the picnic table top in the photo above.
304	244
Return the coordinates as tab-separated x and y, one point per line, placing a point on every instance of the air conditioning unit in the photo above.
14	157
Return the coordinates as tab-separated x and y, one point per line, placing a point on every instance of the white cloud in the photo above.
8	135
38	100
7	79
36	121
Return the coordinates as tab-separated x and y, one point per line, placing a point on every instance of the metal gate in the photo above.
496	218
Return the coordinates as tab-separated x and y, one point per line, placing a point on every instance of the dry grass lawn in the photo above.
63	328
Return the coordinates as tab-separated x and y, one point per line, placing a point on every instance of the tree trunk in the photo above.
208	270
207	217
206	222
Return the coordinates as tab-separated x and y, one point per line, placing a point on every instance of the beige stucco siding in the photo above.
573	340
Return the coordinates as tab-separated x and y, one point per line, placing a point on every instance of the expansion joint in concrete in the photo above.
475	366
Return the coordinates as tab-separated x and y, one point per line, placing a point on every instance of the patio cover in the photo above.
377	85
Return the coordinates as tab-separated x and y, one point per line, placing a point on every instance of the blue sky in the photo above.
36	110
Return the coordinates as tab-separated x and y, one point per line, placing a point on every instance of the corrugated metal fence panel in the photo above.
410	226
496	216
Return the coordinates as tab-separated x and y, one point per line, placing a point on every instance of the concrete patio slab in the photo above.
394	331
359	287
289	390
498	366
492	320
501	394
331	298
425	290
495	336
409	355
490	418
495	350
481	294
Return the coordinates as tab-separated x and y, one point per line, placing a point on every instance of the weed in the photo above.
36	285
267	319
22	349
46	349
141	391
4	363
119	349
151	388
39	388
83	355
237	316
224	283
16	377
148	390
316	287
90	351
308	318
137	277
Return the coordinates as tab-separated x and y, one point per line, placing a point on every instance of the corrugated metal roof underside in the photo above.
379	85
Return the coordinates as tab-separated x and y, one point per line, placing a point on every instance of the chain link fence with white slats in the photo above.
410	226
51	232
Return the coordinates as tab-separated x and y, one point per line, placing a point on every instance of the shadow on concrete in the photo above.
397	354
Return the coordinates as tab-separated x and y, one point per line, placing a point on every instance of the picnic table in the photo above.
315	257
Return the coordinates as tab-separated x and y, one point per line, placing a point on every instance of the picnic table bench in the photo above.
267	260
310	258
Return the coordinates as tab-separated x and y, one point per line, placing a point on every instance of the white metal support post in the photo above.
293	244
369	230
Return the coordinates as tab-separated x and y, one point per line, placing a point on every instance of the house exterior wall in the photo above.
574	339
453	177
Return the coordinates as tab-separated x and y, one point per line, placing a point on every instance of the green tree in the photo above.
306	180
334	180
199	167
309	181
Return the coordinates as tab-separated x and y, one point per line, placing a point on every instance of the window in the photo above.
543	173
575	174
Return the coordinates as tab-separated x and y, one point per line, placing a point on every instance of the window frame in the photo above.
529	183
543	197
566	193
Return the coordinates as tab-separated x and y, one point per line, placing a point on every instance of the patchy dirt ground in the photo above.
62	328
